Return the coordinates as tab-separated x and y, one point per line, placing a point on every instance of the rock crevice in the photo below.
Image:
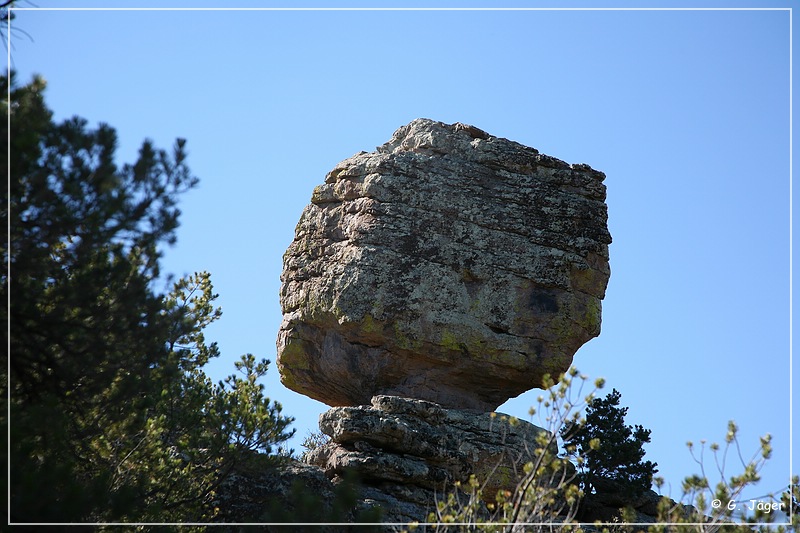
412	451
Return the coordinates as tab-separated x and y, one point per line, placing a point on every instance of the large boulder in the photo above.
449	265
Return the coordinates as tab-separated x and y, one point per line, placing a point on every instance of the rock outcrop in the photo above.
449	265
407	452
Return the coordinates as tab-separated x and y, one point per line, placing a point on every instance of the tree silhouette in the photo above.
112	417
612	451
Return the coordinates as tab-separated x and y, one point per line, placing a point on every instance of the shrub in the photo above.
546	495
551	491
706	509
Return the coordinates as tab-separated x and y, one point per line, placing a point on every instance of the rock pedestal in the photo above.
428	282
449	265
406	452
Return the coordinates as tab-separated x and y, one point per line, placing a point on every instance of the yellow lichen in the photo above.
294	355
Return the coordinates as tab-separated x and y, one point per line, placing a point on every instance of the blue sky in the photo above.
687	112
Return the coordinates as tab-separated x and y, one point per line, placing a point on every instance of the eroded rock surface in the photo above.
449	265
406	452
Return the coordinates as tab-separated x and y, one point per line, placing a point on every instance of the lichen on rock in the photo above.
400	447
449	265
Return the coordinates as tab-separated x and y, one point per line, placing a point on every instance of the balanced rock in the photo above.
449	265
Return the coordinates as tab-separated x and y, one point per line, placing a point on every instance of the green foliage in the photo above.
612	451
309	507
6	16
703	508
546	496
791	502
112	417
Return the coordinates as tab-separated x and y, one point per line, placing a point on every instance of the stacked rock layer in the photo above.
409	451
449	265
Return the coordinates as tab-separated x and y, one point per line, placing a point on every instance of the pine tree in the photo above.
612	451
112	417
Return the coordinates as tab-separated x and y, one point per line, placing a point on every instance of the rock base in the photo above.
408	453
404	456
